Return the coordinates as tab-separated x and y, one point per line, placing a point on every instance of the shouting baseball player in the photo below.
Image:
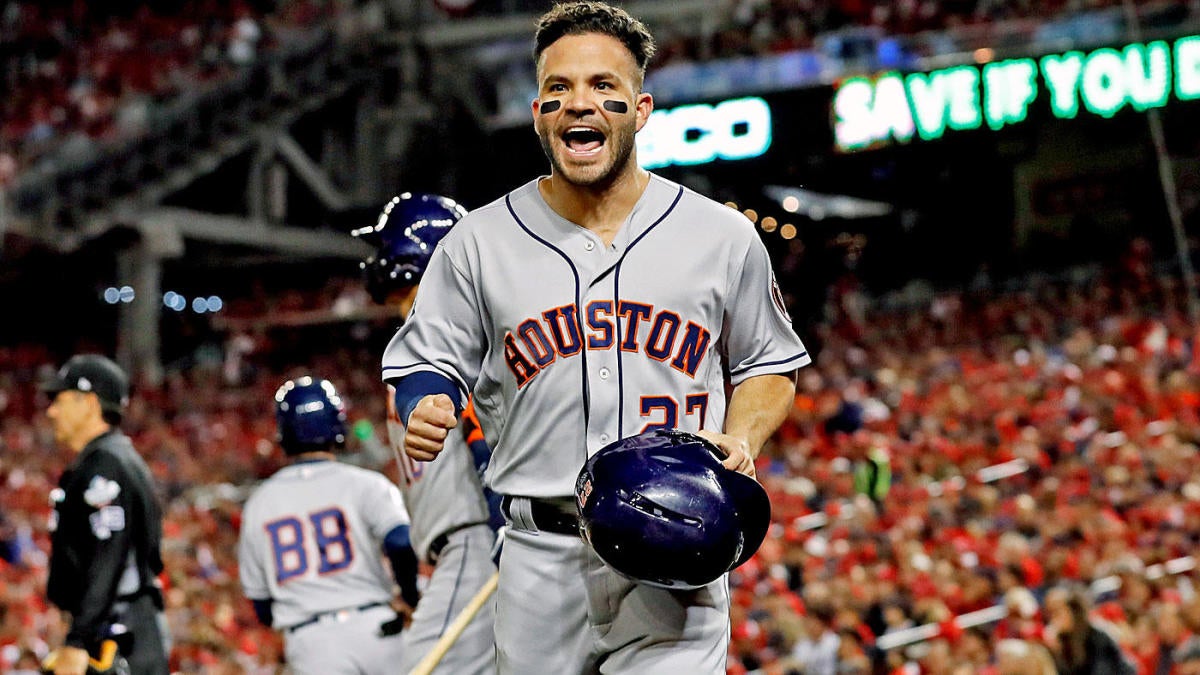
446	499
309	551
586	306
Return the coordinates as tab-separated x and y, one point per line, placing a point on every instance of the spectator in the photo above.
1022	657
851	655
1078	645
1187	657
817	650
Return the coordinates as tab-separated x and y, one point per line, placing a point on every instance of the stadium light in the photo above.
818	206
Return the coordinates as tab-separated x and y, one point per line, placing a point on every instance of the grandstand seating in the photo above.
1028	448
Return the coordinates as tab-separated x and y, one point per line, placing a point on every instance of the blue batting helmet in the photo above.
310	416
659	508
405	234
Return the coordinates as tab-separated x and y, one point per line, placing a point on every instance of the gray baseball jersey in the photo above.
311	541
569	345
446	498
441	496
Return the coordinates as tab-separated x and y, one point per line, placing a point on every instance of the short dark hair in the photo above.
588	16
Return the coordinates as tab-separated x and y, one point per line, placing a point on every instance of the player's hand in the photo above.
403	619
736	450
66	661
428	426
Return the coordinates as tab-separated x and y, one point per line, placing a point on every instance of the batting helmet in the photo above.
310	416
405	234
659	508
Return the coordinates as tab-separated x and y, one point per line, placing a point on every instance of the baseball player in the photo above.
585	306
446	500
309	551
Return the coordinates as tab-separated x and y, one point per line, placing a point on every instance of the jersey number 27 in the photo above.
668	408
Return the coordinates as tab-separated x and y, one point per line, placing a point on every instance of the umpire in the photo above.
106	528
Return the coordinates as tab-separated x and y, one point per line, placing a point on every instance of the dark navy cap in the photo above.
92	373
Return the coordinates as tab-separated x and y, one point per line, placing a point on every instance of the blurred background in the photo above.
983	215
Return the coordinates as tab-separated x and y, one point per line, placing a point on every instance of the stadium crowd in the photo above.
757	27
88	73
81	74
882	518
1094	385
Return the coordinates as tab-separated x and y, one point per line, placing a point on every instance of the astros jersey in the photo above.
311	539
534	314
441	496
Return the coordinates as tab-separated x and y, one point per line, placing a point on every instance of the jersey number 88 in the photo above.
328	531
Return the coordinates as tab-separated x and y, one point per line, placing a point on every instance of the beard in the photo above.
619	146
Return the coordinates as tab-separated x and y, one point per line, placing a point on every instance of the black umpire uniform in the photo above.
107	532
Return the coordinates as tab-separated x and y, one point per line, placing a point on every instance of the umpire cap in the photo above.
661	509
94	374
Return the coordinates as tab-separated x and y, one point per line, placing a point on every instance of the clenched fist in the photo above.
428	425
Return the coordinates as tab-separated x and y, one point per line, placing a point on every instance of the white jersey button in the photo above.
590	245
603	438
604	373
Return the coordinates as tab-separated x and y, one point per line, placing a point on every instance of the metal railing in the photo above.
185	137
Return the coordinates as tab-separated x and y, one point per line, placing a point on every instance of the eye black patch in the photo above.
616	106
549	107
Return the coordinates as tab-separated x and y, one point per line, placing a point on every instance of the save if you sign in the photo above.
893	107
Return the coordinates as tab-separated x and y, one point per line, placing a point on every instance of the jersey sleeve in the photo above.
382	506
251	565
443	334
759	338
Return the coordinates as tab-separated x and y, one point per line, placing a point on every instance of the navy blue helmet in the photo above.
310	416
659	508
404	236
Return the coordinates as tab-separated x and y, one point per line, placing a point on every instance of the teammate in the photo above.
585	306
450	513
309	551
107	529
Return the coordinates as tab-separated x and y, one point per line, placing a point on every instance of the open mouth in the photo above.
583	140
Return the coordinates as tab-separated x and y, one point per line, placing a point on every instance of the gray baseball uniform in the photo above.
311	542
568	345
449	515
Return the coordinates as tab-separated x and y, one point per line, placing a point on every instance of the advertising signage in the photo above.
736	129
892	107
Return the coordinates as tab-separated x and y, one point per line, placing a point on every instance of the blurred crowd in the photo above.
1094	385
83	73
883	519
86	72
757	27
